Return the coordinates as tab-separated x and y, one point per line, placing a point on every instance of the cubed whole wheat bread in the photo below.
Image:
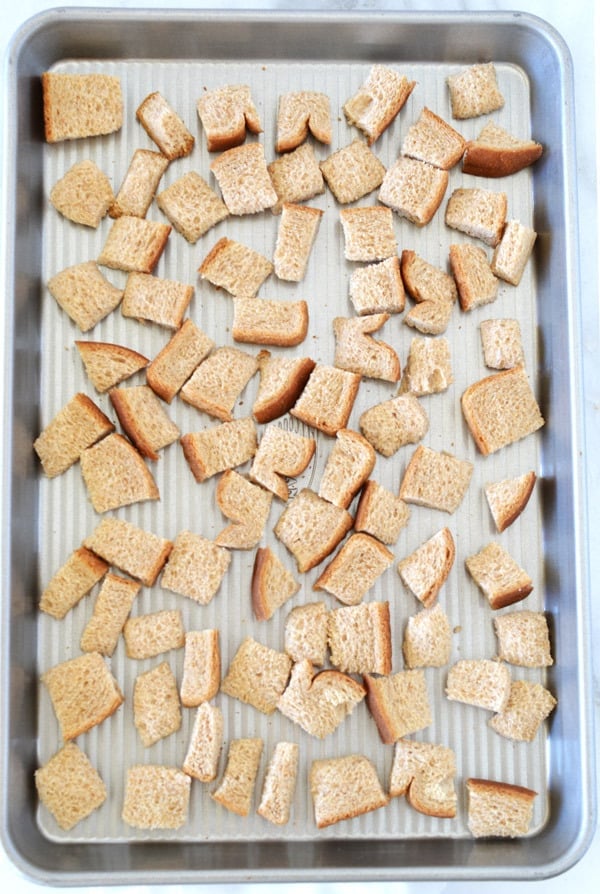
235	267
427	638
480	213
139	184
85	294
281	454
524	638
377	288
175	363
414	189
381	513
498	809
349	464
84	194
368	233
352	172
436	479
244	179
476	283
499	577
474	91
429	317
433	140
282	380
501	342
191	206
155	299
355	568
272	584
156	709
134	244
359	638
311	528
480	682
428	368
260	321
426	282
217	449
392	424
236	788
425	773
399	704
201	676
218	381
295	237
301	113
206	741
107	364
111	610
135	551
257	675
306	633
69	786
296	177
508	498
377	102
196	567
279	784
81	105
343	788
497	153
357	351
147	636
79	424
529	704
164	126
513	251
327	398
247	505
144	419
227	113
319	702
73	580
426	569
115	474
156	797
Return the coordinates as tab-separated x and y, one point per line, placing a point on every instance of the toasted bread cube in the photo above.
349	464
499	576
479	213
83	194
279	784
377	288
107	364
357	351
343	788
147	636
156	710
428	369
83	693
236	788
359	638
295	236
226	114
175	363
77	426
392	424
69	786
320	702
425	282
258	321
425	773
299	114
354	569
139	184
144	419
327	399
195	568
311	528
502	346
496	153
368	233
398	703
136	552
474	91
164	126
134	244
413	189
191	206
282	380
498	809
244	179
513	251
427	638
296	177
430	317
433	140
216	384
201	667
236	268
352	172
111	610
281	454
306	633
71	582
508	498
257	675
381	513
157	300
529	704
480	682
426	569
373	108
84	293
156	797
81	105
475	281
524	639
204	749
218	449
116	475
247	505
436	479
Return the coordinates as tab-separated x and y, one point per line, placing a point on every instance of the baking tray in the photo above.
180	53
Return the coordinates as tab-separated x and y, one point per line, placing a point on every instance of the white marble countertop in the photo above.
575	20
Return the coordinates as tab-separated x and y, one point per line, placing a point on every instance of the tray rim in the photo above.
64	16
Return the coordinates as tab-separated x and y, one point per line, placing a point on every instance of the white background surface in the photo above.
574	19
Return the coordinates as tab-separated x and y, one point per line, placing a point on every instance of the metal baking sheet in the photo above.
51	518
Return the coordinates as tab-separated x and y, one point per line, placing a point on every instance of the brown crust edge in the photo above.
489	161
286	397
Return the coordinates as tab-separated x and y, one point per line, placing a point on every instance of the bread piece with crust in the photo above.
433	140
399	704
311	528
299	114
480	213
107	364
426	569
279	784
428	368
115	474
134	244
354	569
77	426
414	189
259	321
392	424
359	638
476	283
377	288
427	638
139	184
381	513
496	153
144	419
160	301
216	384
319	702
73	580
368	233
80	105
295	237
474	91
306	633
352	172
357	351
529	704
480	682
138	553
84	293
156	709
212	451
343	788
227	113
191	206
373	108
204	749
508	498
349	464
296	177
164	126
175	363
236	788
425	282
195	568
235	267
156	797
69	786
83	195
498	809
244	180
501	409
147	636
430	317
425	773
281	454
272	584
282	380
513	251
327	398
201	677
83	693
524	639
436	479
247	505
111	610
257	675
502	345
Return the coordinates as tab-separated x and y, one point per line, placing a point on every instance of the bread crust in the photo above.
274	405
254	322
489	161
